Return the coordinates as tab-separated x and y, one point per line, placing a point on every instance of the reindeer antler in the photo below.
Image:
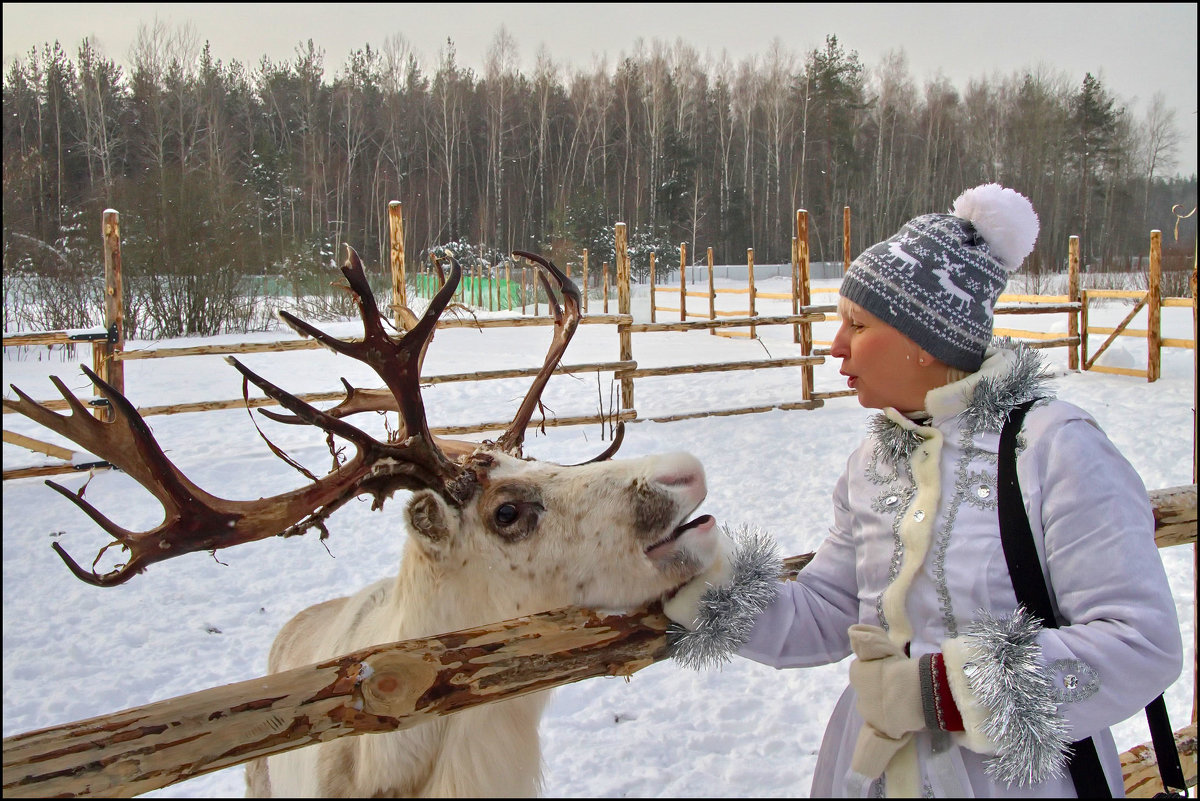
412	458
195	520
566	320
565	324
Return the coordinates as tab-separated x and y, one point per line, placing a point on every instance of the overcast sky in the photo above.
1137	48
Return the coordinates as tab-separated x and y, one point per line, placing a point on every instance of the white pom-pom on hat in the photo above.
1004	218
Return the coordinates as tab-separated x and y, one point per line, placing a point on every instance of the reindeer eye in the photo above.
507	514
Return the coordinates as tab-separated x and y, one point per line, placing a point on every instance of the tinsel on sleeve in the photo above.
1004	672
727	613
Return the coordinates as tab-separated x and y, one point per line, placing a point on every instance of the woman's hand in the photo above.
684	606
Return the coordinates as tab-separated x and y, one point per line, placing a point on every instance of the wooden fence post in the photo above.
795	292
846	239
750	275
624	336
683	282
484	288
712	294
606	287
585	281
399	289
1083	329
652	286
104	352
1073	297
1154	309
805	296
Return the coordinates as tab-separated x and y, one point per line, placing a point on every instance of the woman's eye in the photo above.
507	514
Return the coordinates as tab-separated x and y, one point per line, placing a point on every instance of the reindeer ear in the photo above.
431	519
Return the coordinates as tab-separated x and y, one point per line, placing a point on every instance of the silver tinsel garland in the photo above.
1007	677
994	398
895	443
727	613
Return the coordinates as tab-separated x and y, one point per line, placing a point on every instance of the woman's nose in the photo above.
840	348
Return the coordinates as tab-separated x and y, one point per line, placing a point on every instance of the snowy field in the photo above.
72	651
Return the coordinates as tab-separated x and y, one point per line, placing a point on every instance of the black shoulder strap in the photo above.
1015	534
1165	749
1030	586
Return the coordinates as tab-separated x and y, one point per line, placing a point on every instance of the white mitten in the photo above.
887	682
684	606
874	751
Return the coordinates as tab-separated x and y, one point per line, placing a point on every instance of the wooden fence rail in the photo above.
390	687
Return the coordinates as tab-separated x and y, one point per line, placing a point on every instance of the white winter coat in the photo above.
915	548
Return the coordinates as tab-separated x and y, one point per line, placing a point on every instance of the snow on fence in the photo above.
399	685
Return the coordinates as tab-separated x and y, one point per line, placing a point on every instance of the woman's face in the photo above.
886	367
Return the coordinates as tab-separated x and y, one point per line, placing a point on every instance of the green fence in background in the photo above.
493	294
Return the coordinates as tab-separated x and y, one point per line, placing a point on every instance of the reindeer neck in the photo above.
432	597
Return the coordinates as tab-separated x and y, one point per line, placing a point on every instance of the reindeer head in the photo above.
599	533
606	534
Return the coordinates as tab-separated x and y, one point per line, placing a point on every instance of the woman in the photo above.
955	690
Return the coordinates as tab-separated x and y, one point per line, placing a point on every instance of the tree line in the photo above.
227	170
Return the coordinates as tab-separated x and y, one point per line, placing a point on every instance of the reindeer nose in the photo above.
682	471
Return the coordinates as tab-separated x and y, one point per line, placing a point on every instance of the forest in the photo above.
228	172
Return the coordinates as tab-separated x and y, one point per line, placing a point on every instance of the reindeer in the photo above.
902	258
491	535
957	294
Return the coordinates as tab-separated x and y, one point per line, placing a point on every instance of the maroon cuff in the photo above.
949	718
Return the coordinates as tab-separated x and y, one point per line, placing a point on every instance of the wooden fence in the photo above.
1153	302
109	354
399	685
488	289
1074	304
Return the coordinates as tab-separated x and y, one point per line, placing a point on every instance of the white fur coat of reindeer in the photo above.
538	536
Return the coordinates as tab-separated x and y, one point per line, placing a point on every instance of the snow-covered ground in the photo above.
72	651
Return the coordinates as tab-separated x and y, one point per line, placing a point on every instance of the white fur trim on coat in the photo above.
916	530
955	654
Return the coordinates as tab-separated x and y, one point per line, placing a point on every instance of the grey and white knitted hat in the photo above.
937	280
